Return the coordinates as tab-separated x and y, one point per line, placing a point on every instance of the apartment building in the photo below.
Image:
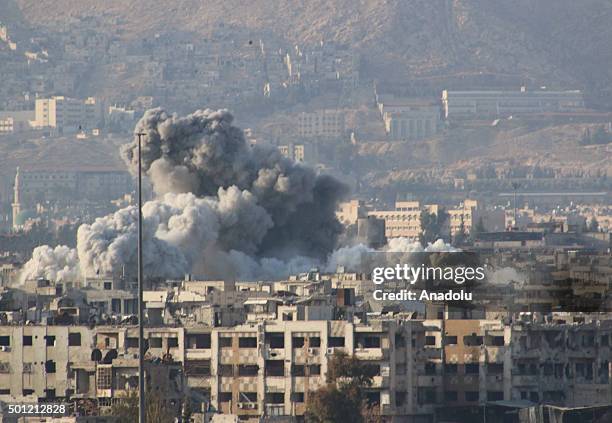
325	123
68	115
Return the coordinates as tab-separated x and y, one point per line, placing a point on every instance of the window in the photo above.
450	369
155	342
495	395
131	342
450	340
297	397
472	340
50	340
450	396
314	369
225	396
5	341
400	398
275	368
275	398
471	396
74	339
297	342
297	370
27	392
430	340
430	368
173	342
198	341
27	340
248	370
314	341
249	397
225	342
495	368
275	340
247	342
472	369
226	370
496	341
50	366
426	395
335	341
108	286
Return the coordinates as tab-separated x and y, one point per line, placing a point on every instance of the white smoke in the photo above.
57	264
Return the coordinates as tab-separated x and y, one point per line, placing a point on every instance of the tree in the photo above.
478	228
342	399
594	225
460	235
126	409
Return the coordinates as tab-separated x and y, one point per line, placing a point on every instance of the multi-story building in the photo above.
490	104
68	115
15	121
325	123
410	119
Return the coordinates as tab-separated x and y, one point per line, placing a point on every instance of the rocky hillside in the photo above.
538	41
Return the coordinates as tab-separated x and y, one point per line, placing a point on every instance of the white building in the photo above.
68	115
487	104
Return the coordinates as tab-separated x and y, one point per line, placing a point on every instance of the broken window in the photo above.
248	370
155	342
314	341
472	340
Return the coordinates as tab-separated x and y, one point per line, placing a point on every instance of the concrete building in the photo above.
410	119
15	121
324	123
68	115
491	104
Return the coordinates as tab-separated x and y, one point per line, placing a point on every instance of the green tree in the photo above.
594	225
126	410
460	237
342	399
478	228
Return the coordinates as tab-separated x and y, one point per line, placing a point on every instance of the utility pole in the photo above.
141	346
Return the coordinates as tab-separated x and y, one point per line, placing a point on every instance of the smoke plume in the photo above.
222	208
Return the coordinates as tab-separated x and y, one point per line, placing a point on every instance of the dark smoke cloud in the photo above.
203	152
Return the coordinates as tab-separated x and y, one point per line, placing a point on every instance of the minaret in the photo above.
16	201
